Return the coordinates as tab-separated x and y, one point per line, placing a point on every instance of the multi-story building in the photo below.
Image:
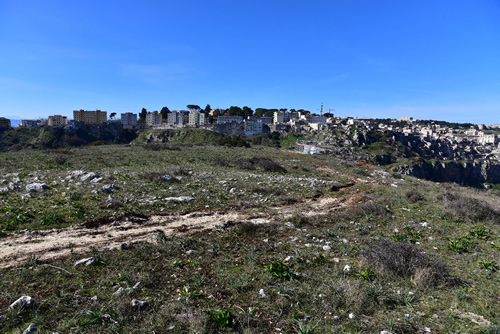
153	118
90	117
196	118
318	119
229	119
4	123
281	117
58	120
30	123
175	118
253	127
128	119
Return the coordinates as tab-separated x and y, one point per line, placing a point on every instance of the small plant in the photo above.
490	265
459	245
187	293
480	232
367	274
408	235
305	327
223	318
280	270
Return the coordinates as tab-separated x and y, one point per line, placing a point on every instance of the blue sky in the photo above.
426	59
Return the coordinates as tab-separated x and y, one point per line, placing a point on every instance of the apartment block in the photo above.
196	118
90	117
58	120
128	119
30	123
153	118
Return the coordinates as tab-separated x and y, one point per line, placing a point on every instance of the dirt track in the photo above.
114	233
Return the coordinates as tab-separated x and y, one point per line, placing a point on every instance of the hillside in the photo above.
206	238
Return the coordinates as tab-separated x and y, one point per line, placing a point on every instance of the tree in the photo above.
193	107
328	114
142	114
247	111
208	108
235	111
164	112
112	115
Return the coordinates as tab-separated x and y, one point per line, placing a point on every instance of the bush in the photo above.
471	209
232	141
406	260
414	196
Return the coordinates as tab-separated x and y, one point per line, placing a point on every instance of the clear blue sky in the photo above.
421	58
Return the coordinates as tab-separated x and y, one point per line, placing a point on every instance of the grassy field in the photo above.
344	248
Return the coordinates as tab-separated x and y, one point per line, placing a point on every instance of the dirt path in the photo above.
121	231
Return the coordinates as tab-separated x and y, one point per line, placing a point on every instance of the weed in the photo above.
481	232
459	245
280	270
223	318
367	274
408	235
490	265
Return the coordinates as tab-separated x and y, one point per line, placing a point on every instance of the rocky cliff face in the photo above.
467	173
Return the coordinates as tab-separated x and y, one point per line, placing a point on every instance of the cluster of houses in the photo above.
255	125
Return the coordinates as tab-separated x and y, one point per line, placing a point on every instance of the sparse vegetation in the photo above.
292	254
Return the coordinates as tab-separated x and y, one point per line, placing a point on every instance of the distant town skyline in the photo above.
432	60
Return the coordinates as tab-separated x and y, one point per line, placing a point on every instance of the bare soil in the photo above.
124	231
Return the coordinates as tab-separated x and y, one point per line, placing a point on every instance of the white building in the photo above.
128	119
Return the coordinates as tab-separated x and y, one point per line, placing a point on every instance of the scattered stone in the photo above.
35	187
118	292
385	332
137	285
189	252
89	177
351	315
22	301
4	189
167	178
93	298
336	260
97	180
108	188
110	201
180	199
87	261
347	267
327	248
138	303
262	293
233	190
31	329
